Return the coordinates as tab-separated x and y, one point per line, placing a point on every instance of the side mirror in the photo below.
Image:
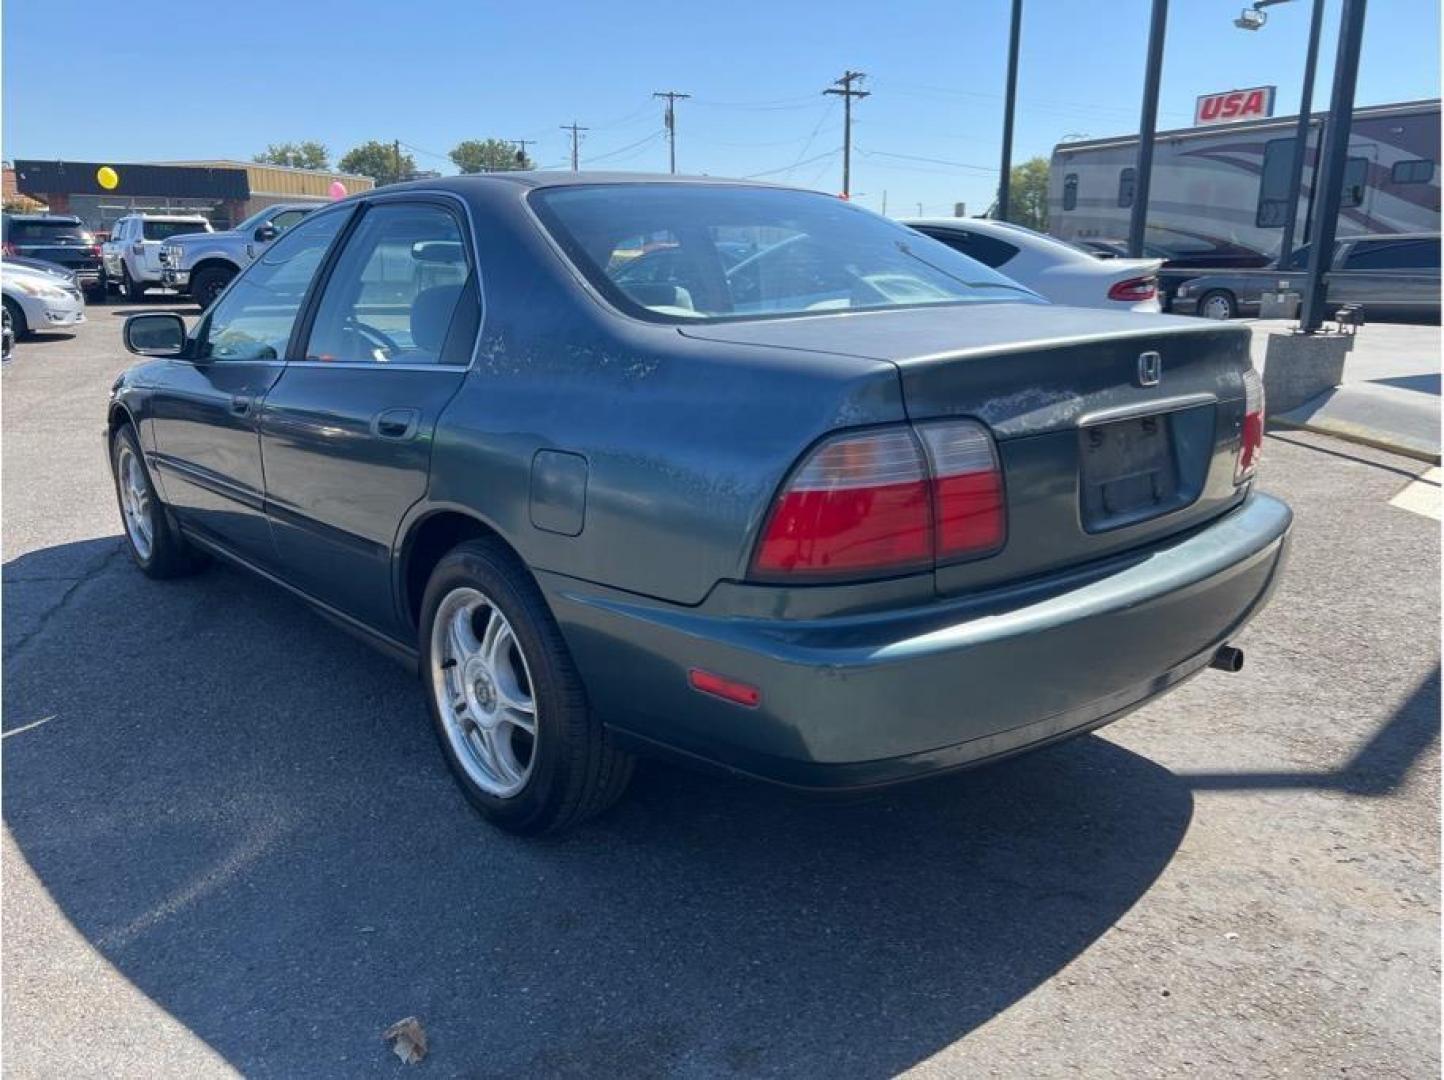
266	233
155	333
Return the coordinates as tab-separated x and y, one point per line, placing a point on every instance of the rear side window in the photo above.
253	319
1417	171
1394	255
1070	191
988	250
164	230
46	232
395	288
1126	184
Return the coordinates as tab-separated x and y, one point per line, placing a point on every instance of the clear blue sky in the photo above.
146	81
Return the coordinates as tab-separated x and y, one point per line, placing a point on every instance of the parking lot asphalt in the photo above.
232	845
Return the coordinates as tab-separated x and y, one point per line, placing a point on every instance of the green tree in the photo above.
1028	194
489	155
380	161
303	155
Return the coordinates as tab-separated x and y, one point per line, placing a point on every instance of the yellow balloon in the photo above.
107	177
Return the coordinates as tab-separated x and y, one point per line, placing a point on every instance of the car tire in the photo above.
151	537
18	325
1218	304
528	772
134	292
209	284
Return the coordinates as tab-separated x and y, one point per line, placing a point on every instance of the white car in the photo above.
131	256
1053	269
35	300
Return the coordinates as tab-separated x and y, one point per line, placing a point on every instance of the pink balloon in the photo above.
337	190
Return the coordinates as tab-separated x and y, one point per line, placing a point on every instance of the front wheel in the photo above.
16	318
209	284
507	703
1218	304
133	289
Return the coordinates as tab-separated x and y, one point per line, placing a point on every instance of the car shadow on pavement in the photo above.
244	811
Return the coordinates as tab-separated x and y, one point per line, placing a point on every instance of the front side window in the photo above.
1126	184
695	252
287	218
1070	191
253	320
395	288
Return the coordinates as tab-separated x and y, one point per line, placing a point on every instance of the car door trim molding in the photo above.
210	481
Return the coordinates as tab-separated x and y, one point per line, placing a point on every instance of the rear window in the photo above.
46	232
164	230
988	250
1394	255
693	253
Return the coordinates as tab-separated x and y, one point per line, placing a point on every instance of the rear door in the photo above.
346	434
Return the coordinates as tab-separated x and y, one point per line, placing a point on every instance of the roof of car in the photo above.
539	179
67	219
146	215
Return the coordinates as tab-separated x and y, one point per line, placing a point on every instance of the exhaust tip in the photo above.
1227	658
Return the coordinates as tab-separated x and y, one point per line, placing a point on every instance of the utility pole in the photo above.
843	89
576	131
669	120
1147	125
396	158
920	209
521	145
1005	173
884	202
1329	187
1301	136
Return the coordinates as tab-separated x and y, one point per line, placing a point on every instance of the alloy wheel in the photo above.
135	501
483	692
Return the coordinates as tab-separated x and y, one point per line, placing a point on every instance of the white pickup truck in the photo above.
202	264
131	257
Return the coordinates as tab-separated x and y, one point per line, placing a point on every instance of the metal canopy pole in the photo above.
1147	124
1005	174
1329	187
1301	136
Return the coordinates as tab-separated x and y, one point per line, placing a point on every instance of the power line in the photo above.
630	146
796	164
669	119
843	88
928	160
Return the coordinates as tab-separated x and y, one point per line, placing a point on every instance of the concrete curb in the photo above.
1315	416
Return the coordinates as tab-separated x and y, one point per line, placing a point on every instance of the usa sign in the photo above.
1234	105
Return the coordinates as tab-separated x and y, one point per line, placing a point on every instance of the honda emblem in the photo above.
1150	368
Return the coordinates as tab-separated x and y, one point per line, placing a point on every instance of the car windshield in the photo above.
164	230
702	252
47	232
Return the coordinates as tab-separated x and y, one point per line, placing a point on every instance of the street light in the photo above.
1253	18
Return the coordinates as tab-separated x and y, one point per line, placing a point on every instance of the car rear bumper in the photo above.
870	699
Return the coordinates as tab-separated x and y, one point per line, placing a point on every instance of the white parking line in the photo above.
1423	495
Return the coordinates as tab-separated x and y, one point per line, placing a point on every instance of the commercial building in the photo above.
224	191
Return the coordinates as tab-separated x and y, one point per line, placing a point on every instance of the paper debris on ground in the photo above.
408	1039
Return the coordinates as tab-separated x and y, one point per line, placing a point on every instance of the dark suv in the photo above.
57	239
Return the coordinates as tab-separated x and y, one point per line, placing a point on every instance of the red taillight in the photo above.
859	502
1251	444
1134	289
739	693
968	507
8	248
95	250
877	501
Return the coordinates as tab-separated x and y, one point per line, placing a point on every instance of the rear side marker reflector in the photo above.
739	693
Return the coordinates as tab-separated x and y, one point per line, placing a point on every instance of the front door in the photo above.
346	433
205	410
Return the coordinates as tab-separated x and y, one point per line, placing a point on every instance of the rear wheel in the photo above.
1218	304
133	290
508	705
154	543
209	284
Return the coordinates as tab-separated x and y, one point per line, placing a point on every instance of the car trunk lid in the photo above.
1113	429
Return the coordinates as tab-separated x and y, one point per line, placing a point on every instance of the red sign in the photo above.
1234	105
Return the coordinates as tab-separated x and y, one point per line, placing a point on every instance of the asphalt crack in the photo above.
90	573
